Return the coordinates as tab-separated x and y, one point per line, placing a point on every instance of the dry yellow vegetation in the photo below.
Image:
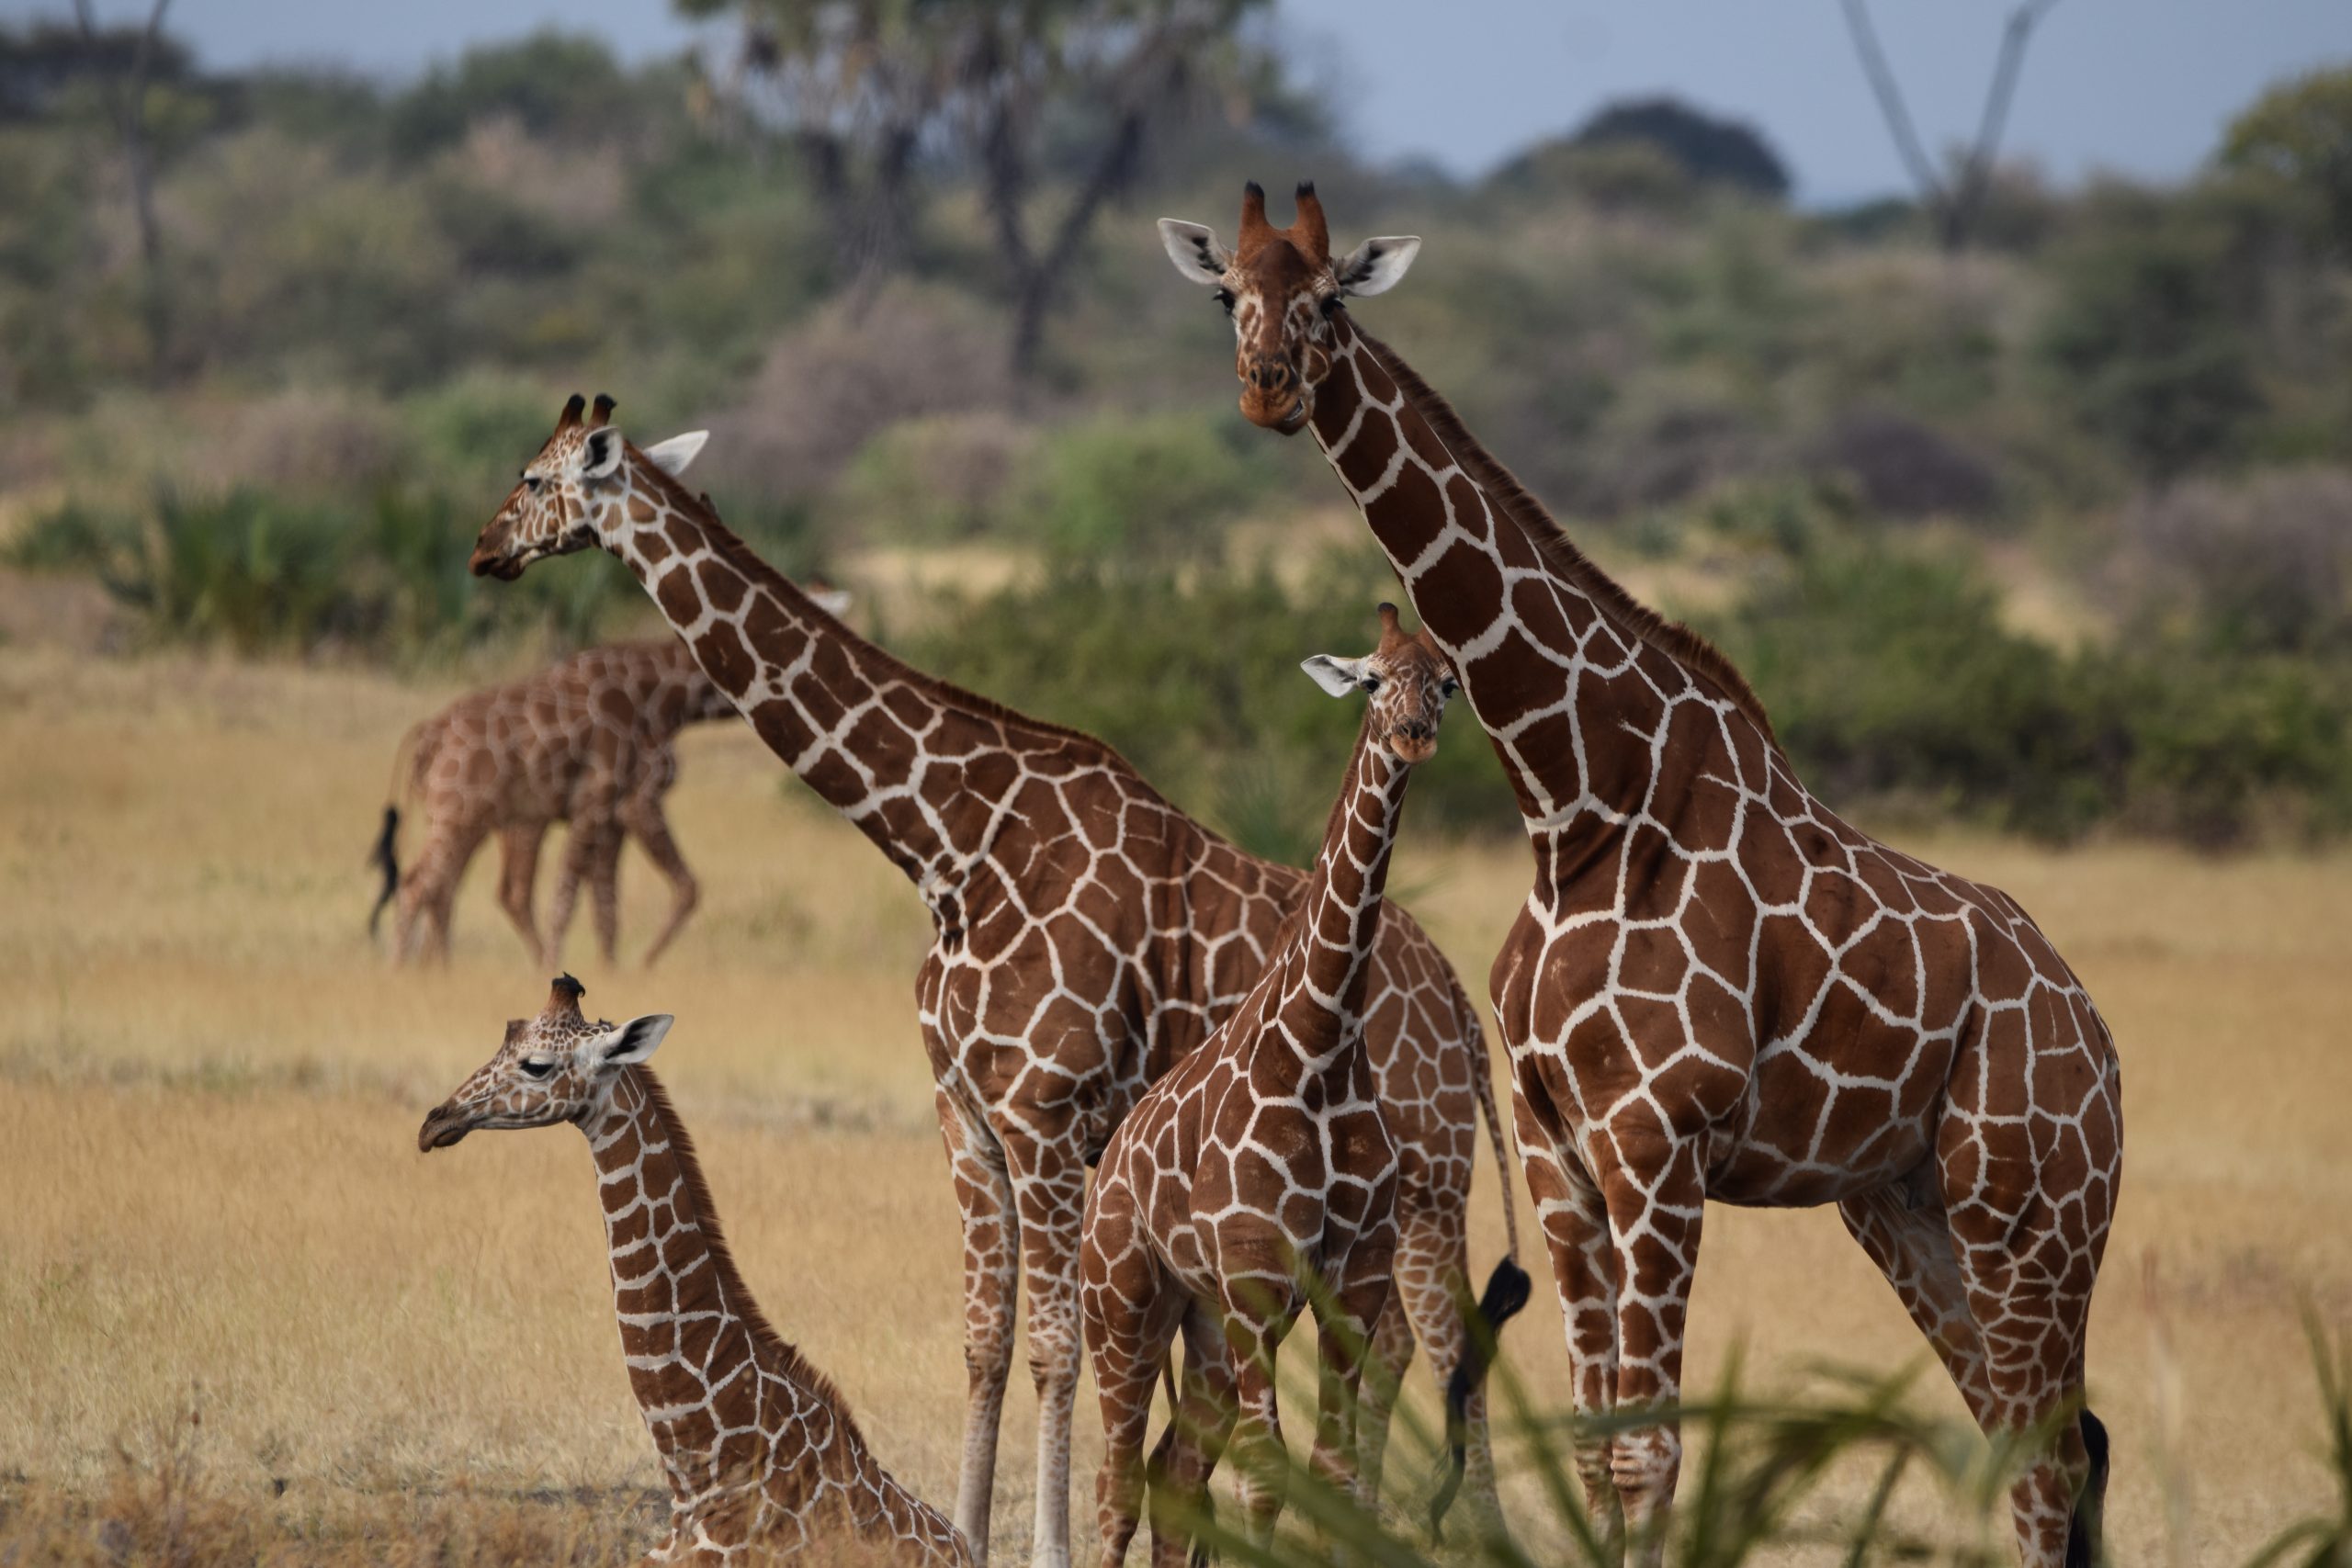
217	1241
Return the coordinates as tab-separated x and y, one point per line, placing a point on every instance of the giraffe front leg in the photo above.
991	1281
1131	1314
1198	1430
1654	1191
646	819
1048	1177
1576	1236
1344	1323
518	877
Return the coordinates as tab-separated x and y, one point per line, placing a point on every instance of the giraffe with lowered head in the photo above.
1259	1175
1087	935
760	1453
1717	988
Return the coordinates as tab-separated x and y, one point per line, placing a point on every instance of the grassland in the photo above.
221	1257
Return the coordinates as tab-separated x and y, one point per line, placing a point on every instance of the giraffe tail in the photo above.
2084	1546
385	856
1508	1290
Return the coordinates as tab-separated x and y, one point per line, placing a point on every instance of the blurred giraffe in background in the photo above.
590	742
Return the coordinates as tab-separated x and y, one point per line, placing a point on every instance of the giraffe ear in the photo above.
672	457
1336	675
834	601
1378	265
1194	249
635	1040
601	452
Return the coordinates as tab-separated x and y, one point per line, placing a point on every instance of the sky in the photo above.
2140	87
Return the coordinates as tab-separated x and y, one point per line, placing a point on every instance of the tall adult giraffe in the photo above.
1087	936
1717	988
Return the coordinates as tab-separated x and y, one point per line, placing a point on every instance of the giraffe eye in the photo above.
536	1069
1451	688
1224	297
532	482
1369	683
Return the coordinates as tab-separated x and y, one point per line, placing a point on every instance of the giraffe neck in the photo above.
1476	579
921	774
692	1336
1339	919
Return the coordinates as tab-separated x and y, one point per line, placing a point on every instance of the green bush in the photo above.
1142	491
1196	681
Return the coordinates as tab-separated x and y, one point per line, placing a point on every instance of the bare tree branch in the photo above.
1891	104
1956	206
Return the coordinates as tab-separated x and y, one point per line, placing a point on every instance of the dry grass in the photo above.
210	1089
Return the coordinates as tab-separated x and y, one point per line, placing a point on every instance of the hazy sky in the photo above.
2141	86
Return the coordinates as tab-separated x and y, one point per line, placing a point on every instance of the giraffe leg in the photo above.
1905	1231
568	876
1131	1314
1655	1190
2027	1199
644	818
1198	1431
1343	1328
991	1281
1383	1382
1048	1177
1259	1304
440	866
518	876
1433	1287
1576	1234
605	892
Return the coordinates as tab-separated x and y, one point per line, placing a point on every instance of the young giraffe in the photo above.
761	1455
1717	988
1088	935
1262	1162
588	741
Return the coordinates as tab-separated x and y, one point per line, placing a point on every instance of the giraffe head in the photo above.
1280	287
556	1068
1410	680
573	493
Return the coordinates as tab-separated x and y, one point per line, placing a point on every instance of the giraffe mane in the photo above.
743	559
1701	657
764	1338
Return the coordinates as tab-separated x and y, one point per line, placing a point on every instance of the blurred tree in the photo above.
1721	150
554	85
127	90
2299	134
1955	195
1020	88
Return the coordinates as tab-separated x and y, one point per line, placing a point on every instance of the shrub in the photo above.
940	478
1196	681
1150	490
1905	469
2266	566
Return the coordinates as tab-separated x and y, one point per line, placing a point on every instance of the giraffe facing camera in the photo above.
761	1455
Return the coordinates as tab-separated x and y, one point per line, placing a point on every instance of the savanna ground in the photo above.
236	1298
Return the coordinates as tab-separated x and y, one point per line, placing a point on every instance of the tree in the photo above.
1018	88
127	92
2299	134
1956	195
1721	150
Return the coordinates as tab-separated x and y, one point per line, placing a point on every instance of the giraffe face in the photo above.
570	493
556	1068
1281	288
1409	680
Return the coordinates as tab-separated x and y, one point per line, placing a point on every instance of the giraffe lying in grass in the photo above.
1260	1174
761	1455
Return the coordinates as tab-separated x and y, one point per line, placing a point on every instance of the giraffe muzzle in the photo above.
446	1126
1412	747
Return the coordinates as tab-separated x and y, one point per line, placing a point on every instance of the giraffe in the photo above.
760	1452
1716	988
1087	935
1259	1174
589	741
